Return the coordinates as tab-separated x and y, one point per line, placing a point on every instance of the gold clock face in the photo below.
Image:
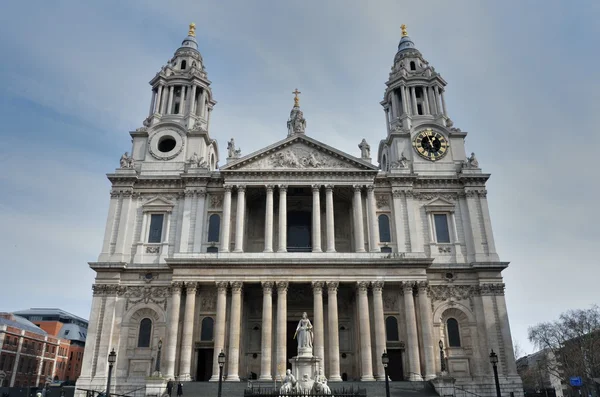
430	144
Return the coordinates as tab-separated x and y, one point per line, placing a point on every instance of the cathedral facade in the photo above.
393	254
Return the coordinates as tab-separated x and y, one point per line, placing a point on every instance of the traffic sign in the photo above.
575	381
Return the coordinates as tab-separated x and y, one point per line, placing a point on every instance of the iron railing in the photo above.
274	392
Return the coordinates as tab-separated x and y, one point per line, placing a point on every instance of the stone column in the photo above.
202	107
359	233
426	329
225	234
473	210
412	341
426	99
269	220
185	361
233	364
398	221
387	118
282	287
319	331
186	220
239	220
443	104
366	360
404	100
416	241
282	219
329	218
510	366
267	326
316	219
379	321
122	248
432	100
395	107
173	329
373	222
487	223
158	99
334	338
170	101
193	100
152	103
414	101
219	335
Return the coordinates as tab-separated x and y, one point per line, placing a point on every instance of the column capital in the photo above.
370	188
228	188
241	188
377	285
282	188
270	188
316	188
282	286
317	286
357	188
332	286
267	287
362	286
176	287
191	288
407	287
422	285
329	187
222	286
236	286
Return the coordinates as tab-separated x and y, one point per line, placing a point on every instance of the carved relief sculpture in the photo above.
365	149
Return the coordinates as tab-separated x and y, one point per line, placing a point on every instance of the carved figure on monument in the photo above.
126	161
311	161
231	148
320	386
472	161
365	149
304	332
290	384
402	162
194	160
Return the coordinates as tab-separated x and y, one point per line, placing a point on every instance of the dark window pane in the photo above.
391	328
145	332
212	250
453	332
156	226
442	233
384	229
386	249
206	332
214	228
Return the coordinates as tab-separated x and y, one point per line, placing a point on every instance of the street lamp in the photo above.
494	361
112	357
385	361
221	360
158	354
442	357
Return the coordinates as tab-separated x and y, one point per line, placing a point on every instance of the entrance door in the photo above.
299	231
395	370
205	363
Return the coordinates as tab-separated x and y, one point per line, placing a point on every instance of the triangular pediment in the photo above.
158	204
439	204
297	153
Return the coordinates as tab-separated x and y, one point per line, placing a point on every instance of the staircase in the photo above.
374	389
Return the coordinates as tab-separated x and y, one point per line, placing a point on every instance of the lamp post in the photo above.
158	354
442	357
385	361
221	360
112	357
494	361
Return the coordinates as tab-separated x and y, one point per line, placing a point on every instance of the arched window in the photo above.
206	332
391	328
453	332
183	65
412	65
384	229
145	333
214	228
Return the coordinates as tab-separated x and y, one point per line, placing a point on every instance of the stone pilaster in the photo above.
426	329
379	321
412	341
319	332
225	232
233	363
185	361
267	327
173	329
282	219
366	360
219	344
373	222
334	339
282	287
316	219
269	220
240	218
359	231
329	218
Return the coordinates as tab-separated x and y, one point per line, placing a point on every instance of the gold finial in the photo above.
404	33
296	99
192	31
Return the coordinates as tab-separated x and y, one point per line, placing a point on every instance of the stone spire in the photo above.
296	123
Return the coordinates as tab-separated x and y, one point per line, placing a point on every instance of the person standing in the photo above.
170	387
179	389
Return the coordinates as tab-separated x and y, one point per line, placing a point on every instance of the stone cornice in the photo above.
99	266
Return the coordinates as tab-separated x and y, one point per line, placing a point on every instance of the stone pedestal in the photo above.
304	367
156	386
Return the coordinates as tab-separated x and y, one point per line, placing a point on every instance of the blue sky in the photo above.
522	81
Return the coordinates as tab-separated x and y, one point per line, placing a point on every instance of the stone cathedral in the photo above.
391	254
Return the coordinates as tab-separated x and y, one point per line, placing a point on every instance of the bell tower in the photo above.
414	102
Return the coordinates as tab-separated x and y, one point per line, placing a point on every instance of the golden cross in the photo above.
192	31
404	33
296	99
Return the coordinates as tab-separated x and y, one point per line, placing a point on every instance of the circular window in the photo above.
166	144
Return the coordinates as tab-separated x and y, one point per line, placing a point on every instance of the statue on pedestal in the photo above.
304	332
290	384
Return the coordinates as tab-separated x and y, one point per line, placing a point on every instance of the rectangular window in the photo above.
156	226
442	233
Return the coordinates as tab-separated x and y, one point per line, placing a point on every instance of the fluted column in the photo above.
267	326
443	104
185	360
379	321
319	342
334	338
366	360
282	219
404	101
152	103
413	95
426	99
173	329
225	230
359	233
192	100
395	107
233	364
170	101
158	100
436	93
282	287
329	218
269	220
240	217
412	341
373	221
316	219
426	329
219	335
